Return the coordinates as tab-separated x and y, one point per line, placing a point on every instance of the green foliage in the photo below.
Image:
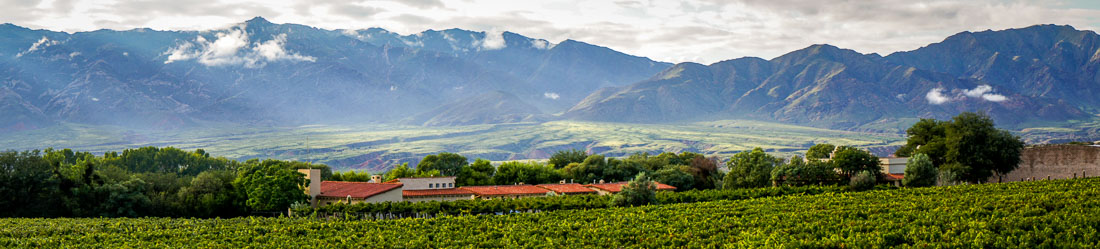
399	172
678	176
562	158
525	172
640	191
211	194
167	160
479	173
798	172
820	151
351	176
919	171
750	169
270	185
851	160
970	144
448	164
863	180
705	171
26	184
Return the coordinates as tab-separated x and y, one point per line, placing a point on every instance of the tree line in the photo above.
170	182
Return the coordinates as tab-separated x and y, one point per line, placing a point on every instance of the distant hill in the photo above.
1041	73
258	72
489	108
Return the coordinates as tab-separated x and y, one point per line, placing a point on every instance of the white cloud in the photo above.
935	96
551	95
38	45
493	41
978	91
541	44
232	48
994	97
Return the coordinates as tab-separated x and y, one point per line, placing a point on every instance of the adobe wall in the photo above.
1057	161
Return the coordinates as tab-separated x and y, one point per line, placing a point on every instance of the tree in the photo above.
26	184
919	171
749	169
270	185
527	173
850	160
820	151
447	163
590	170
351	176
640	191
969	146
676	176
798	172
562	158
399	172
705	171
211	194
479	173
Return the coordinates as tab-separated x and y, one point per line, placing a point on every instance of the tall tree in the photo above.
749	169
447	163
968	147
919	171
850	160
479	173
820	151
562	158
26	184
270	185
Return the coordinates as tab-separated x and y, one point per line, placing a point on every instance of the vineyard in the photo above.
1044	214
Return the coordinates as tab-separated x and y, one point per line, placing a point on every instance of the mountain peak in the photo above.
258	20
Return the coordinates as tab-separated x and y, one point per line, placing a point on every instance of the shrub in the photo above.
919	171
863	180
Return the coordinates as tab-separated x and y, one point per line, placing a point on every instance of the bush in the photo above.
863	180
919	171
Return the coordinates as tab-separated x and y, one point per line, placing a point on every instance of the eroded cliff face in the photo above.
1056	162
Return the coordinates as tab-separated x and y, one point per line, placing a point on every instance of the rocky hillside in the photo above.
1053	71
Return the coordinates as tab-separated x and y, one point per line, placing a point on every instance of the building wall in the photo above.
428	183
393	195
1056	161
512	196
893	165
438	198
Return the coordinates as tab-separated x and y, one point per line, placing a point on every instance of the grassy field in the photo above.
377	147
1042	214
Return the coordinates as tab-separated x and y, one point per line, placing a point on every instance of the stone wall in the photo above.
1057	162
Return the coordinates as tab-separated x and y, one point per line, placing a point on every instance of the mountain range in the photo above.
262	73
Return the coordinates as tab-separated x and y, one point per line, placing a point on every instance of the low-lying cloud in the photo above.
233	48
551	95
936	96
39	45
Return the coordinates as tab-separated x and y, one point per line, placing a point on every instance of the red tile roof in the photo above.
357	190
393	181
568	188
506	190
432	192
615	187
894	177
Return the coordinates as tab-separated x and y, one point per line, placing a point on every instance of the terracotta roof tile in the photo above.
615	187
355	189
431	192
894	177
568	188
506	190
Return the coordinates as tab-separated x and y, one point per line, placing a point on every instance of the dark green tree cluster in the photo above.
350	176
968	147
684	171
146	181
640	191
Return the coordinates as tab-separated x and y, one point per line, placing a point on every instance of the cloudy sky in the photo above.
703	31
